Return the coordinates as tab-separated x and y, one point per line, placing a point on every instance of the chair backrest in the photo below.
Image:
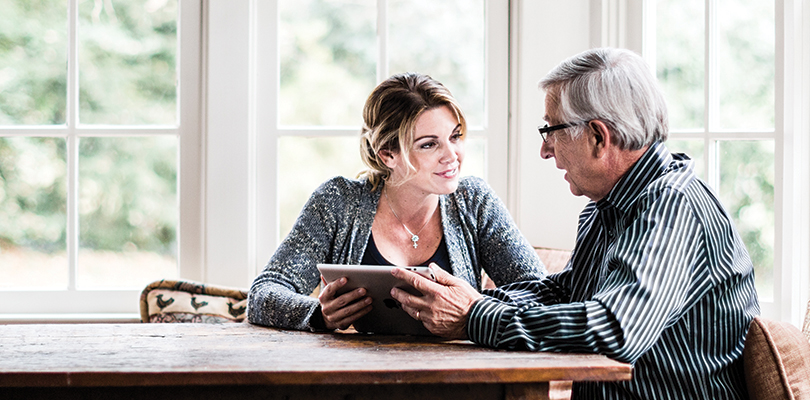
555	260
777	361
187	301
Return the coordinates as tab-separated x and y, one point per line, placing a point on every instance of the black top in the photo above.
372	256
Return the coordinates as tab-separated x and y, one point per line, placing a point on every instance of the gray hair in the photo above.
614	86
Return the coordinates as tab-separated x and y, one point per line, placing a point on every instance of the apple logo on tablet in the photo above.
391	303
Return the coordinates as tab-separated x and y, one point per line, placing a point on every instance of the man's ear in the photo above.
601	137
387	156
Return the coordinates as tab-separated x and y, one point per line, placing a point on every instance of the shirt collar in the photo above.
651	165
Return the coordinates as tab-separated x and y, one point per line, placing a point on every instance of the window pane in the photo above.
474	157
33	189
680	60
127	62
328	58
305	163
33	62
443	39
692	148
745	57
747	191
127	211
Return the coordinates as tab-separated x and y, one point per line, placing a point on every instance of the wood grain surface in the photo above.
136	355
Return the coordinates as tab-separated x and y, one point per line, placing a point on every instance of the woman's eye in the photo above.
428	145
456	136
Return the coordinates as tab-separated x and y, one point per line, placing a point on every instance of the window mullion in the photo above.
711	154
72	144
712	96
382	40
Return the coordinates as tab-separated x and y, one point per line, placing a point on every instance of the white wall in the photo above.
227	170
545	209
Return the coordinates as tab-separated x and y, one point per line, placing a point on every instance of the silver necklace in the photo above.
414	236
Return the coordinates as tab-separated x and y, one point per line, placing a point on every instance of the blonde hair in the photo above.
389	120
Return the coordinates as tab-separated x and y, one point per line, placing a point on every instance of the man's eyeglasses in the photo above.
546	130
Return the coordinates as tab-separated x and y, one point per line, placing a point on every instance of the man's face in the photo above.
575	156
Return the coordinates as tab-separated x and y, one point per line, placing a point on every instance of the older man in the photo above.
659	276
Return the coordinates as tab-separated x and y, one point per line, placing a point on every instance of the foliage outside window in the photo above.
125	189
329	59
728	126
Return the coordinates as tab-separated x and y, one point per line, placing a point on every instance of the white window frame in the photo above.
71	304
627	23
791	267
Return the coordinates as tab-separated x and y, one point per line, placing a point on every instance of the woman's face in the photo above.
437	153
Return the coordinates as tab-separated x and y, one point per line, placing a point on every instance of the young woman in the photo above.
408	208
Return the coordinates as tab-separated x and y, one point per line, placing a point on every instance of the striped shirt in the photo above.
659	278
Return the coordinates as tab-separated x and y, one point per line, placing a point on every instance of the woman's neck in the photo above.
412	207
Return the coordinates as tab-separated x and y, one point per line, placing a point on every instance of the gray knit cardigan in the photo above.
334	228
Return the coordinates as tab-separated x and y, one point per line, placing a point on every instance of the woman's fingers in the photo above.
344	317
341	311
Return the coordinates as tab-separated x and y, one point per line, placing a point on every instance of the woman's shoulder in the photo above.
339	194
473	187
340	185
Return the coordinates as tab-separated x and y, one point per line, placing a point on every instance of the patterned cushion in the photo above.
777	361
186	301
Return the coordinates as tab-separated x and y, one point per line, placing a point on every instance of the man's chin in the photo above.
574	190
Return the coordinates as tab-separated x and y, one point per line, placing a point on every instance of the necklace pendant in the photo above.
414	239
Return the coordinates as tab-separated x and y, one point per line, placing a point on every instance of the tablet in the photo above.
386	315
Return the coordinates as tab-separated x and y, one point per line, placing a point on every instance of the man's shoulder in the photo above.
680	184
678	176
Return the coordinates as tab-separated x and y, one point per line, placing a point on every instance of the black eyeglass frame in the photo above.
545	130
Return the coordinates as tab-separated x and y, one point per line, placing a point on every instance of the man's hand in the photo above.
444	306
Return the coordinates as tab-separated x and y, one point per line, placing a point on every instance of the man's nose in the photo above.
546	150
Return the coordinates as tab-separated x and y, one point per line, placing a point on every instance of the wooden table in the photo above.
195	361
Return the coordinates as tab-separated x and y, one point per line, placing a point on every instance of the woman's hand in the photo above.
444	306
340	312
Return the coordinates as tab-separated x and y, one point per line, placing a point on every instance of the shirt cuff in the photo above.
487	319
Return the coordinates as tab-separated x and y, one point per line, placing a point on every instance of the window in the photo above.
337	52
97	136
331	55
735	76
719	64
282	117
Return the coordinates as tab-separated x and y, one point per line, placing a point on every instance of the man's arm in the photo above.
645	287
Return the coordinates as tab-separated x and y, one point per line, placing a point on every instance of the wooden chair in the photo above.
777	361
555	261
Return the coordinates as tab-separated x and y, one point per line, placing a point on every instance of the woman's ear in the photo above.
389	158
